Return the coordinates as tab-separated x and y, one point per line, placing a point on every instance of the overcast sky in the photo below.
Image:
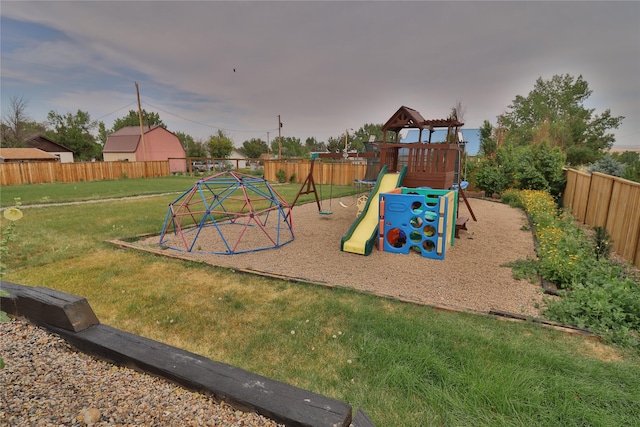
323	66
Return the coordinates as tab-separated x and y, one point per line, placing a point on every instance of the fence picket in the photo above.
610	202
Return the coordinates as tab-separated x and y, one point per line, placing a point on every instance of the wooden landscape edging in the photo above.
72	318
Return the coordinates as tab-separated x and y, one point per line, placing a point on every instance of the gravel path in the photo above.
46	383
471	277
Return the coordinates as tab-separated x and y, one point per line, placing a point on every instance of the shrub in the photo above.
607	165
281	176
602	242
490	179
597	294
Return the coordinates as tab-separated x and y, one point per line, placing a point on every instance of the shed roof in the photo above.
45	144
24	154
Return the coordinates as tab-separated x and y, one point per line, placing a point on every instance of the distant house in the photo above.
43	143
159	144
243	161
19	155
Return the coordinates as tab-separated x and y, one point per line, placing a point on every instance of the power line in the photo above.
207	125
115	111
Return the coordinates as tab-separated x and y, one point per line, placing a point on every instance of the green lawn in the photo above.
406	365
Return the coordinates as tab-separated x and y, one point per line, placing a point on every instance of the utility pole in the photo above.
268	148
144	147
279	138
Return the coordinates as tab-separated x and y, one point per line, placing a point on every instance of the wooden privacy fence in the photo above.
610	202
337	173
40	172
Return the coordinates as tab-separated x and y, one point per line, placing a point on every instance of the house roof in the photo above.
17	154
45	144
237	154
126	139
121	143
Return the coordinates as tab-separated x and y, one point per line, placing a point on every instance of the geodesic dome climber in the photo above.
228	213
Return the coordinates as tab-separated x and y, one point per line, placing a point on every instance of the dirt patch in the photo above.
470	278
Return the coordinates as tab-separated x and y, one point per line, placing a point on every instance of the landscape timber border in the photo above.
72	318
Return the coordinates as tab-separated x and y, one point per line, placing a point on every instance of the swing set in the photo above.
309	186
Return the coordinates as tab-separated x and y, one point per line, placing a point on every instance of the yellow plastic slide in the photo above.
362	235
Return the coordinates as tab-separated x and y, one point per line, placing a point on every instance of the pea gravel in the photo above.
46	383
473	277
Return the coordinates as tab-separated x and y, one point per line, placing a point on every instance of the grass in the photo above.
94	190
406	365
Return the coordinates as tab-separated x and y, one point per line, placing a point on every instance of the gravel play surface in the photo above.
471	277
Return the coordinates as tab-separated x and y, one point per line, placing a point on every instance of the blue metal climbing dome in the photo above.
228	213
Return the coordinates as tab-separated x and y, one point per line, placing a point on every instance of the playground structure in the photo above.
361	236
228	213
416	219
423	215
434	165
236	208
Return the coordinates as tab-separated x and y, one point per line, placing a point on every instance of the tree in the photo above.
254	148
291	147
192	148
13	123
631	163
313	145
458	112
532	167
335	145
607	165
220	145
74	132
363	135
488	144
554	110
133	119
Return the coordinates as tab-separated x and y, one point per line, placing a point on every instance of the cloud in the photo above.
323	66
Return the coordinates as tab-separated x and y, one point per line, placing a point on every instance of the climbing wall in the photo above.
417	220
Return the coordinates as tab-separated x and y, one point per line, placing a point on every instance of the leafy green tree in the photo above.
313	145
133	119
74	131
631	164
554	109
626	157
291	147
488	144
254	148
535	167
103	133
220	145
607	165
192	148
632	171
335	145
540	168
363	135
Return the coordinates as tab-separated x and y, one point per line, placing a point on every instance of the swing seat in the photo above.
325	212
